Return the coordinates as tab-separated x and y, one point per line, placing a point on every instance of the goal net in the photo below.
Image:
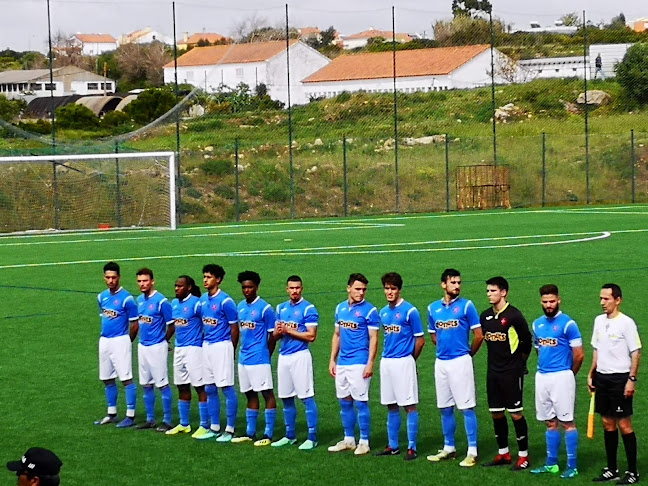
94	191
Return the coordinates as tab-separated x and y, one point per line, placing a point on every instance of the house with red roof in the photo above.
361	39
253	64
94	44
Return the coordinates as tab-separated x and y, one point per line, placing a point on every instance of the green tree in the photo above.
571	19
150	104
470	8
464	30
617	23
632	73
10	109
77	117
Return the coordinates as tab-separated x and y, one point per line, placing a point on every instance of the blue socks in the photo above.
348	417
311	418
149	403
111	395
290	416
553	446
183	411
203	412
449	426
571	443
393	427
167	401
131	399
364	419
270	417
470	424
213	405
231	407
251	417
412	429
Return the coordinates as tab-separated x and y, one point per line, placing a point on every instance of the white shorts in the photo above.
116	358
218	363
255	377
349	382
398	381
188	365
153	369
455	382
554	395
295	375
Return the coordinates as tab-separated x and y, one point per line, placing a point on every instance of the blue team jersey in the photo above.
116	310
188	325
155	314
256	321
354	322
554	338
402	324
218	313
299	316
452	324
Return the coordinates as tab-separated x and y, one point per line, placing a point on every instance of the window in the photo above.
539	71
106	85
50	87
36	86
93	86
239	72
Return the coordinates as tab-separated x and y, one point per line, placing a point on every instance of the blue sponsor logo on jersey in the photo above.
447	324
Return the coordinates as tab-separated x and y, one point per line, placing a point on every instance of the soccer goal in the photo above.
92	191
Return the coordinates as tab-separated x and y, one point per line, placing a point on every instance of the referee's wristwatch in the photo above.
632	378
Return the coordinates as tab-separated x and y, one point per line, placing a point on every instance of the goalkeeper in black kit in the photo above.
508	339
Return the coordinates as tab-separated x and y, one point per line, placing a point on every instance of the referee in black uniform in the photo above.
613	375
508	339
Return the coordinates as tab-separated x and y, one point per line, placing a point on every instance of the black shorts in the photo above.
609	401
504	391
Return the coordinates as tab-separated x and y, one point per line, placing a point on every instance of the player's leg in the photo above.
545	412
630	446
407	397
270	414
514	402
226	382
213	402
122	359
287	392
161	377
181	380
494	395
302	378
445	404
388	399
360	394
605	406
462	385
252	408
563	396
347	414
412	431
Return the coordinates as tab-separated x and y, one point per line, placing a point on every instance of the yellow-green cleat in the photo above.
203	434
179	429
546	469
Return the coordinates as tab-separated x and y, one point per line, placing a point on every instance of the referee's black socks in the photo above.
630	445
611	439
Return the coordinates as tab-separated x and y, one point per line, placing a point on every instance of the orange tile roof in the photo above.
208	36
371	33
306	31
231	54
97	38
378	65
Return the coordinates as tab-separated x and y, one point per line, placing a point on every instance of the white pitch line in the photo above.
336	250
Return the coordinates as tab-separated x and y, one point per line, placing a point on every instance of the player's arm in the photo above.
578	356
418	346
475	326
635	357
133	317
478	339
526	341
134	329
308	336
335	350
417	330
269	321
236	333
167	314
231	314
373	351
432	326
592	370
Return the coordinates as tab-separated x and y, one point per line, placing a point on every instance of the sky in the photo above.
23	23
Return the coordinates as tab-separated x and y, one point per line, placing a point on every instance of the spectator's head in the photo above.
37	467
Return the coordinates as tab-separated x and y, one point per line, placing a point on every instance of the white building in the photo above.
67	80
611	55
252	64
94	44
145	36
416	70
361	39
555	67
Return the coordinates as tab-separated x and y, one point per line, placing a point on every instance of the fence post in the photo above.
544	169
118	182
345	183
587	154
447	171
633	162
396	177
56	195
237	202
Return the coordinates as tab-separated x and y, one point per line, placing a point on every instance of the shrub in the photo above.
224	191
150	104
114	119
44	127
193	192
218	167
76	117
632	73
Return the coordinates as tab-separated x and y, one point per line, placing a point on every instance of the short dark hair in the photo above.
616	290
549	289
500	282
112	267
294	278
392	278
448	273
249	275
193	288
357	277
215	270
145	271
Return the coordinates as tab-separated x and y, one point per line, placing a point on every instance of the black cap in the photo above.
37	461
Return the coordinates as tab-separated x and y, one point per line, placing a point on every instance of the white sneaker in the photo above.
342	446
362	449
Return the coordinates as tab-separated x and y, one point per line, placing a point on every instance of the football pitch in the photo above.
50	392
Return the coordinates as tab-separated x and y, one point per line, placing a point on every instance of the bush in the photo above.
632	73
224	191
150	104
76	117
114	119
193	192
44	127
10	109
218	167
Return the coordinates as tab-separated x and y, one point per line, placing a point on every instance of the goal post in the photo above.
87	191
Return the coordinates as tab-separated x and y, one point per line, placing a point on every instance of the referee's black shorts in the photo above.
504	390
609	400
